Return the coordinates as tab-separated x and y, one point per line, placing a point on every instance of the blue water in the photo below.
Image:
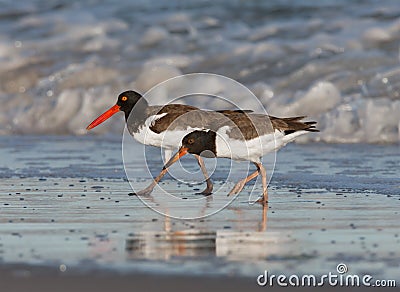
349	167
64	202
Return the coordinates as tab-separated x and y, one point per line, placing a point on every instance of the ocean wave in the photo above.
64	62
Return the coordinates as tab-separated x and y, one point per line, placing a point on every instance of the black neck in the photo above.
136	116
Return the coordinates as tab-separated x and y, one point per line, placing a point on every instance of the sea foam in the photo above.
64	65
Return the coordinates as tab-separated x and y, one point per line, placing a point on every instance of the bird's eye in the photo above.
190	141
124	98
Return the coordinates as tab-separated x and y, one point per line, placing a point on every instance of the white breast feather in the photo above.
253	149
167	139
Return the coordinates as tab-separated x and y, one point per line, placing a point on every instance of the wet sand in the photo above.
66	214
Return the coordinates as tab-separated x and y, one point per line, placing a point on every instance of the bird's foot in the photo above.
143	193
208	190
263	200
205	193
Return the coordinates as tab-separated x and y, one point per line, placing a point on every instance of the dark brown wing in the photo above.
176	117
234	111
249	126
242	125
180	117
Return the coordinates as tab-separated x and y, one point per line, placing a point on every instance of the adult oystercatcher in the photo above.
160	126
248	138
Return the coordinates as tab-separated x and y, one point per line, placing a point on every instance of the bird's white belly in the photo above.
244	150
166	139
253	149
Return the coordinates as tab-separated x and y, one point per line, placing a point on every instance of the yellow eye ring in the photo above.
124	98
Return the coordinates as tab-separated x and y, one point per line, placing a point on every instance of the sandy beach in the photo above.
66	209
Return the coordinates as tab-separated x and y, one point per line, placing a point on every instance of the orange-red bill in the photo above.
113	110
182	151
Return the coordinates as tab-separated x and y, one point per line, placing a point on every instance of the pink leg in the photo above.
209	187
147	191
239	186
263	173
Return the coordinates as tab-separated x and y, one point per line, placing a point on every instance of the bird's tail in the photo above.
295	124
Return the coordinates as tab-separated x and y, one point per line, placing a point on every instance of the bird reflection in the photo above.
229	243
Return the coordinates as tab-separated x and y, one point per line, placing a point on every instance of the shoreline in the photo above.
329	204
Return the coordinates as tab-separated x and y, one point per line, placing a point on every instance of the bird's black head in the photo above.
200	142
197	142
128	100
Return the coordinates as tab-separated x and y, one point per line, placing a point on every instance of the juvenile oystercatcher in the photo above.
247	138
160	126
